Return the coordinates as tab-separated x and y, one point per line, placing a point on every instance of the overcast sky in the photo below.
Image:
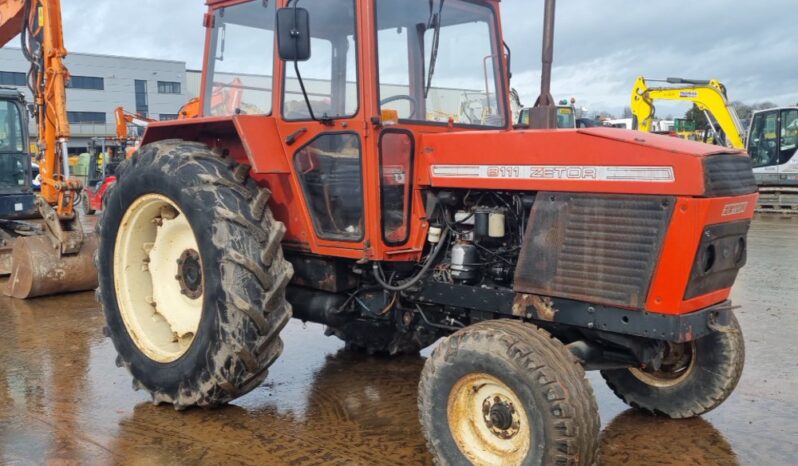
600	46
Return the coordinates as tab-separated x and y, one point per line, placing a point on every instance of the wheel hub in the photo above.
158	277
487	420
501	417
189	274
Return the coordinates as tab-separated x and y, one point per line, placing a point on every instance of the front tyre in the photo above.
505	392
192	276
695	377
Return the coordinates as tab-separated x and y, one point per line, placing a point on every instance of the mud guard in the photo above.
242	135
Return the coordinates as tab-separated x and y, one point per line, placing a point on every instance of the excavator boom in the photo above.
34	272
708	95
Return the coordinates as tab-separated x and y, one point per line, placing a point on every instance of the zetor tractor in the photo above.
346	189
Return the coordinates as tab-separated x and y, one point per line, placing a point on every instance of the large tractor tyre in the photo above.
505	392
382	337
192	275
694	378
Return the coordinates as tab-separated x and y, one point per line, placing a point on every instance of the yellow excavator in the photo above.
708	95
56	255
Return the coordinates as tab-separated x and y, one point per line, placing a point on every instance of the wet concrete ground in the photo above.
63	401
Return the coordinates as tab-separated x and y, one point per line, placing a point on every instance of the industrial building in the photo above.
100	83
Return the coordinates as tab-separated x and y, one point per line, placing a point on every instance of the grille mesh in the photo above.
593	248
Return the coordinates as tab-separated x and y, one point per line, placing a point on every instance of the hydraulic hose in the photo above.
413	280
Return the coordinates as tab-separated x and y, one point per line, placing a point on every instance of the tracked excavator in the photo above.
709	96
59	258
771	140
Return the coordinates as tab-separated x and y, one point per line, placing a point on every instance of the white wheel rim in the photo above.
160	311
471	402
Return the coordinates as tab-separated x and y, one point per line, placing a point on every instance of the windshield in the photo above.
14	162
565	117
440	60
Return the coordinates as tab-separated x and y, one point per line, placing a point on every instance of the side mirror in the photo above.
293	34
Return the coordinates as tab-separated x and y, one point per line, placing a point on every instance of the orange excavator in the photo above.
60	258
226	98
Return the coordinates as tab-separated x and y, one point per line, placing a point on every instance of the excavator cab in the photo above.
16	184
772	142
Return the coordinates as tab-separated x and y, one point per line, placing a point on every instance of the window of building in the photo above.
86	82
10	78
168	87
167	116
86	118
142	104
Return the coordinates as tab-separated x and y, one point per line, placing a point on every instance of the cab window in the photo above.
789	135
763	140
329	171
239	77
440	60
330	75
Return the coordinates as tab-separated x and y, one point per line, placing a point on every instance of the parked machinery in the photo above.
534	254
105	156
772	139
59	259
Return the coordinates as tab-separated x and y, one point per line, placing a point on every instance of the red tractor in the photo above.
346	189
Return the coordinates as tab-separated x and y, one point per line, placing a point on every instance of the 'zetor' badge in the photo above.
734	208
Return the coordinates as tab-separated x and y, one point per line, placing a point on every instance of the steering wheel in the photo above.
413	102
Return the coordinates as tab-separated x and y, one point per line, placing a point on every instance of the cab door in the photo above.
788	145
321	124
763	146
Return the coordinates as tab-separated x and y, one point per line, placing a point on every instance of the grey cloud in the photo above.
601	45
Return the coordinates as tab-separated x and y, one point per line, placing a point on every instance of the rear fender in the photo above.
248	139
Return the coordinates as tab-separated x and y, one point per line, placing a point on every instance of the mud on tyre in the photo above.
505	392
192	275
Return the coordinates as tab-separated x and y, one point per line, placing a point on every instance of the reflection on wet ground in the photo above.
63	401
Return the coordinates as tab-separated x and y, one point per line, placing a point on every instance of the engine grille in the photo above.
728	175
592	248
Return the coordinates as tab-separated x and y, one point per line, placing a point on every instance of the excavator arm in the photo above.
59	260
125	118
708	96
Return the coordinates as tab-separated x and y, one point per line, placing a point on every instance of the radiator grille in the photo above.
593	248
728	175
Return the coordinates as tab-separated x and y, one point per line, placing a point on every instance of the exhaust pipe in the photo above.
544	114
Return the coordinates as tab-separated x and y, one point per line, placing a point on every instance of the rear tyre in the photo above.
505	392
695	377
192	276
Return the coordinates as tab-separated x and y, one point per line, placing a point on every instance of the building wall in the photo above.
118	75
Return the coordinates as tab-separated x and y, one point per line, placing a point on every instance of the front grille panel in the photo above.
593	248
728	175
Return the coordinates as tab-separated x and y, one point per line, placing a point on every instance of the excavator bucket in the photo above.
39	269
5	257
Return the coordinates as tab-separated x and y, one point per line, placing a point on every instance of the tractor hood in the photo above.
596	160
